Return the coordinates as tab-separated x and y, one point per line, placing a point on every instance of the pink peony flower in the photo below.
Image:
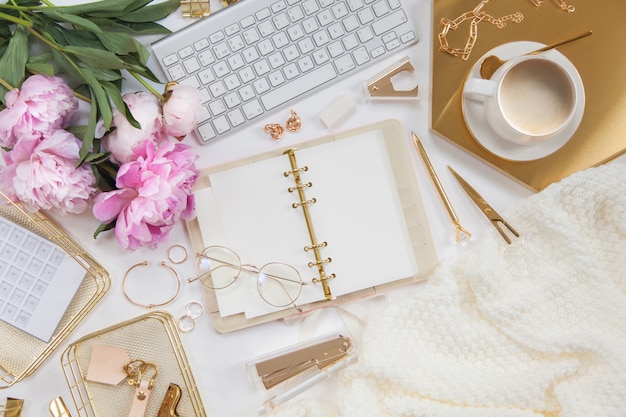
42	174
122	142
39	107
153	193
181	110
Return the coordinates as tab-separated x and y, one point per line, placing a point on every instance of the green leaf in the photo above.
100	99
96	158
152	13
142	53
13	62
118	42
115	94
68	66
77	21
96	58
145	28
40	68
107	75
110	7
103	228
81	38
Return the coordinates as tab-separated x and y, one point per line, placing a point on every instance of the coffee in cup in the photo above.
528	100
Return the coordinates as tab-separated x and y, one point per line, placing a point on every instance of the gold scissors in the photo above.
493	216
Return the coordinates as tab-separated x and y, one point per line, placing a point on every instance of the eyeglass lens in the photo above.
278	284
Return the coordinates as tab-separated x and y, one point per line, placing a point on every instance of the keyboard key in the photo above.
345	64
299	86
185	52
221	125
310	7
170	59
252	109
232	29
247	21
201	44
206	132
389	22
236	117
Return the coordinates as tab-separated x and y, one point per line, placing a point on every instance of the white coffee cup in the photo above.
528	100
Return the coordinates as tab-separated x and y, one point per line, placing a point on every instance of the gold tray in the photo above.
602	132
152	337
20	353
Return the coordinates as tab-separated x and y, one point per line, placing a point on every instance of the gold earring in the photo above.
275	130
294	123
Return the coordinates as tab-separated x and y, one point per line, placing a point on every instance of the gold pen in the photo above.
461	233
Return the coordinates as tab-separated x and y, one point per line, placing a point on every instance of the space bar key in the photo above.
291	90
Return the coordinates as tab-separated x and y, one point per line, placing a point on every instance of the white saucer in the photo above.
490	140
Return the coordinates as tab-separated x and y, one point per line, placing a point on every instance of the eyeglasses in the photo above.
278	284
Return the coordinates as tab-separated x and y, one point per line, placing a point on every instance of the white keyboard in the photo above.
257	56
37	281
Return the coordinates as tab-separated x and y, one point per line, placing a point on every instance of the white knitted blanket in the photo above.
537	328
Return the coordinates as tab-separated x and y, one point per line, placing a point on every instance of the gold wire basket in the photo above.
152	337
20	353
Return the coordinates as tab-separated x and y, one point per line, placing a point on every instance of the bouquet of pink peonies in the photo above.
128	159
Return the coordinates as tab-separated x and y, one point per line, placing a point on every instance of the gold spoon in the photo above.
492	62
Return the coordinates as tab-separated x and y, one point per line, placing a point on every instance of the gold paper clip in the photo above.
12	408
321	355
170	401
195	8
58	408
381	86
493	216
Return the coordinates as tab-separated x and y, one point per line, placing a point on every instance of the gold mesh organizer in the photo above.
152	337
20	353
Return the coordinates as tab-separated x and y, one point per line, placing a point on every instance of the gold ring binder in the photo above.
306	185
293	171
319	245
323	261
304	203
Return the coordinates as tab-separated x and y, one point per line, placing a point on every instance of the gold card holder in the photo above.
600	136
150	339
20	353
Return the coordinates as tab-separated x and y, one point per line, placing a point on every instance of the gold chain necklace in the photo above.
476	16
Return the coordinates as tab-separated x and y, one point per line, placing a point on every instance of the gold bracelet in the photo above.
151	305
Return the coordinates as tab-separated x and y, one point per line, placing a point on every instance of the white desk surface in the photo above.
218	360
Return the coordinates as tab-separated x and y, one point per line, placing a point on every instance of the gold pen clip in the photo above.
381	86
321	355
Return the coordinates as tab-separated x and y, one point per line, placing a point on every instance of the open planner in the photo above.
344	210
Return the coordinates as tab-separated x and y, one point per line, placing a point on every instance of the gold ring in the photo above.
171	250
151	305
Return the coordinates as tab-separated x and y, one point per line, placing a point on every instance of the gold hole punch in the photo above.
381	87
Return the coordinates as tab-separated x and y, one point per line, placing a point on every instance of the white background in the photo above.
218	360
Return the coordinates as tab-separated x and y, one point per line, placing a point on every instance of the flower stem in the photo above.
6	84
17	20
147	85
